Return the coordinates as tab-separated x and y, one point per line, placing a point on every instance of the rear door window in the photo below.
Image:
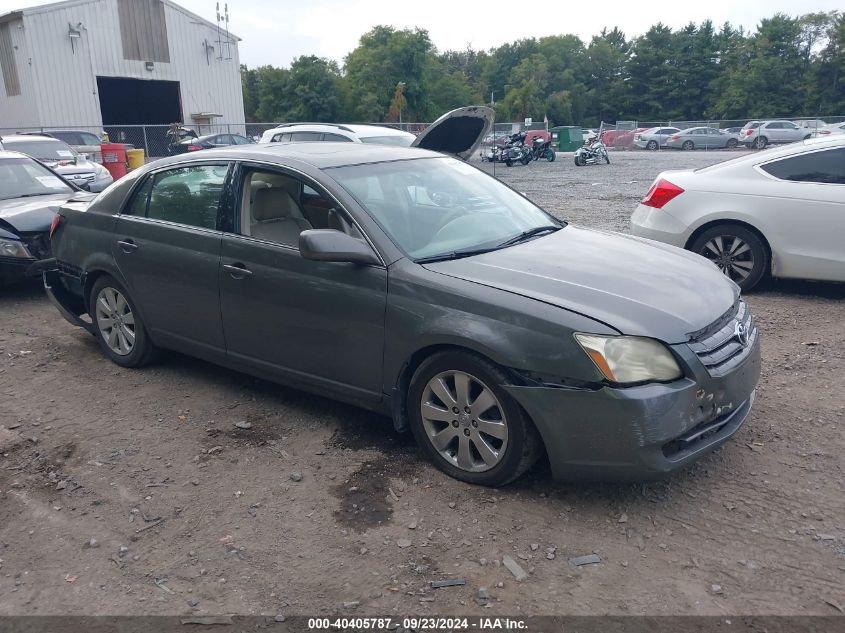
826	166
298	137
187	195
337	138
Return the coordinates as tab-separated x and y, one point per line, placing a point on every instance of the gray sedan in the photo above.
701	138
415	285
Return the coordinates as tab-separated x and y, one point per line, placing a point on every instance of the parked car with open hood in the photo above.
61	158
781	212
416	285
30	195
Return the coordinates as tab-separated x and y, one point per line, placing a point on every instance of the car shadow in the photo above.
22	291
805	288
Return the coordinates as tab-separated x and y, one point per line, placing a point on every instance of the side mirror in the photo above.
329	245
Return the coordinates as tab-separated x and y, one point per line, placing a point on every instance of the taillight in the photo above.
57	219
194	148
675	137
749	132
660	193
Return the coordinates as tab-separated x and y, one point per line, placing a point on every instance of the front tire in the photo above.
688	146
652	146
117	324
550	155
466	423
737	251
580	160
509	162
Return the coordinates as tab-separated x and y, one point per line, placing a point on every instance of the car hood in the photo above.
31	215
458	132
635	286
80	167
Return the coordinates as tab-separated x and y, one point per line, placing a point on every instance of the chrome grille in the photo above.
726	343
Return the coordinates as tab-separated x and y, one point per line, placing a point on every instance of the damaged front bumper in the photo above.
640	433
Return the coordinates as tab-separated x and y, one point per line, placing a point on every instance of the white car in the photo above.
299	132
781	212
654	138
832	129
760	134
61	158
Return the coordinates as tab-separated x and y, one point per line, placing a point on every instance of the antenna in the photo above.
219	44
228	39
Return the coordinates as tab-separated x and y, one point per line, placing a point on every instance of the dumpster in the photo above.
114	159
566	138
135	158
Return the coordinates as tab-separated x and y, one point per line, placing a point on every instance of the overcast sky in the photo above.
276	31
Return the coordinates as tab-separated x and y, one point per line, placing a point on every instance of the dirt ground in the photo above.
133	492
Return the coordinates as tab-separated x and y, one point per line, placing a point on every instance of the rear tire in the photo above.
580	160
509	162
607	158
688	146
761	142
736	251
117	324
732	143
490	451
550	155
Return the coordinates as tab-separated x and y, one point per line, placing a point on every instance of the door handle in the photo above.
237	271
127	245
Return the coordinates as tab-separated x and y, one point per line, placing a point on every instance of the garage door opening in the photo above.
130	102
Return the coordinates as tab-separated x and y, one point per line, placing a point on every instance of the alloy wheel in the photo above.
464	421
732	255
115	321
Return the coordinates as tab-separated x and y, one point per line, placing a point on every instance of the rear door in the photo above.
167	246
318	323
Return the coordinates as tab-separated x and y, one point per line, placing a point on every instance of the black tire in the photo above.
732	143
607	158
580	160
761	142
652	146
508	162
525	159
143	351
550	155
757	255
524	445
688	146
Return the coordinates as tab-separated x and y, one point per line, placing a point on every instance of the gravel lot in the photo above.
133	492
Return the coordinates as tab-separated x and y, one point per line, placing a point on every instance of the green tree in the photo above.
314	90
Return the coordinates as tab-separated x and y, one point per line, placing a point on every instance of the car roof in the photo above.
38	138
320	155
10	154
355	128
780	152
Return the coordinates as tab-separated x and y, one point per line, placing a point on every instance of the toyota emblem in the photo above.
741	334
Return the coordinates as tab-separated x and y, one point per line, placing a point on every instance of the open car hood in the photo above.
458	132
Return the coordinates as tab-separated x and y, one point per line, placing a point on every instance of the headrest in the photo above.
172	189
272	204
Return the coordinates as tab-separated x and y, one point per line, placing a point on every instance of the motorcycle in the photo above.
592	152
542	149
516	151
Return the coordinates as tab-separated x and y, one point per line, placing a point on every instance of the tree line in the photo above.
788	67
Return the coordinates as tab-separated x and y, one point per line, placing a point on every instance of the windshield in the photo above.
398	140
50	150
22	178
436	206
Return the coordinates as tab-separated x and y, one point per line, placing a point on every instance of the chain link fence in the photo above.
156	140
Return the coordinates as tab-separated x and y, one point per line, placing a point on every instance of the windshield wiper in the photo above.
537	230
34	195
455	255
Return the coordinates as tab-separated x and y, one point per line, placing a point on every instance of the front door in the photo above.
167	246
320	323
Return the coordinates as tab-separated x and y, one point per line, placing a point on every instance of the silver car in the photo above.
760	134
701	138
62	159
654	138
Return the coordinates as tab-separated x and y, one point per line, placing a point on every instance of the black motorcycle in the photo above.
516	151
542	149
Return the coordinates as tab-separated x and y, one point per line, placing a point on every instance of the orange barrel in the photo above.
114	159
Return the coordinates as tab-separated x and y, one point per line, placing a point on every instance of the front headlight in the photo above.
13	248
630	359
102	172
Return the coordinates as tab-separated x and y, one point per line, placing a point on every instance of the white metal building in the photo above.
116	62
